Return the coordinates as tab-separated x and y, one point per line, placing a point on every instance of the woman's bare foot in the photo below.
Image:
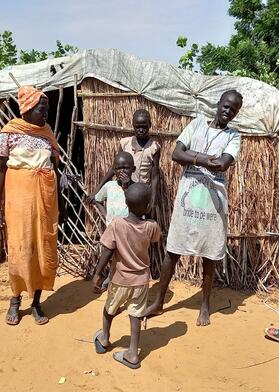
204	316
13	316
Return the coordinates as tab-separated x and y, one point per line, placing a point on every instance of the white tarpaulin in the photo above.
184	92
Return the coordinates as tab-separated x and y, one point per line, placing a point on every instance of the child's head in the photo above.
141	124
228	106
123	164
138	197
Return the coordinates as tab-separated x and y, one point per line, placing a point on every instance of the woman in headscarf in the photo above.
29	155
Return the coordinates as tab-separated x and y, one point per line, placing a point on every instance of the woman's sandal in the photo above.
272	333
13	315
39	316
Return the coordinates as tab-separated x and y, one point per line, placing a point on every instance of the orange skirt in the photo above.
31	214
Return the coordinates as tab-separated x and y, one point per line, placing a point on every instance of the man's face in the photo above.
228	108
141	124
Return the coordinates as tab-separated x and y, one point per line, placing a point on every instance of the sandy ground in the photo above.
230	355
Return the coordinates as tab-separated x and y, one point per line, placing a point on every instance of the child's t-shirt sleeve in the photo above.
108	237
102	194
233	147
186	135
155	234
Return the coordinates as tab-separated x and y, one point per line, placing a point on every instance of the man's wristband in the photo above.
195	159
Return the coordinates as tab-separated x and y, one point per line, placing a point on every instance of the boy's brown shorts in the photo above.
135	297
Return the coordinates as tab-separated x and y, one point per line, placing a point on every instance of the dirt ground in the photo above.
230	355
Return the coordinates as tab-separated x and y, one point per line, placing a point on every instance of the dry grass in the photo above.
252	262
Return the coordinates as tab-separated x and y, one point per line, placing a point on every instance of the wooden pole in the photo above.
71	138
60	100
14	79
159	132
108	95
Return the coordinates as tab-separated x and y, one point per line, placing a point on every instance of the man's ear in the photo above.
134	169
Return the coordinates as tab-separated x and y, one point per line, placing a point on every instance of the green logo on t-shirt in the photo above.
199	197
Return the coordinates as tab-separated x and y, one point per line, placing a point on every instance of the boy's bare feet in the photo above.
204	317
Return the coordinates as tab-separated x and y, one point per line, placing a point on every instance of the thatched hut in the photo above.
108	86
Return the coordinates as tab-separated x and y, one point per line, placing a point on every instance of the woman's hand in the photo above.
220	164
212	163
2	220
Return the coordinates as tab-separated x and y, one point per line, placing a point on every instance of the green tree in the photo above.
8	50
187	60
254	48
9	54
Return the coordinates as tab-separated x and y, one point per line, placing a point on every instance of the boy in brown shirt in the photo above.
146	153
127	240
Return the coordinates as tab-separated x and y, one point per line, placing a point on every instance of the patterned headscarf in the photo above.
28	97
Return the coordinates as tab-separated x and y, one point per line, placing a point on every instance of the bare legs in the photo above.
208	276
167	271
131	354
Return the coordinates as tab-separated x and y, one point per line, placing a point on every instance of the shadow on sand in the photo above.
223	300
69	298
155	338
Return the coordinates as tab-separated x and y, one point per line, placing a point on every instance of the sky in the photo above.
146	28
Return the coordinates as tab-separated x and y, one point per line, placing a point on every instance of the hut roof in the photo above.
184	92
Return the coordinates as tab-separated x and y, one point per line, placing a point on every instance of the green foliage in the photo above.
63	50
252	51
32	56
9	53
7	49
181	41
186	61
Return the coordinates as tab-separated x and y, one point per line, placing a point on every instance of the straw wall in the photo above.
252	260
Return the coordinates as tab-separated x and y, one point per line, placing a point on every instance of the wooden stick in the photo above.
4	115
109	95
71	137
60	100
14	79
2	122
253	235
13	97
9	109
112	128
